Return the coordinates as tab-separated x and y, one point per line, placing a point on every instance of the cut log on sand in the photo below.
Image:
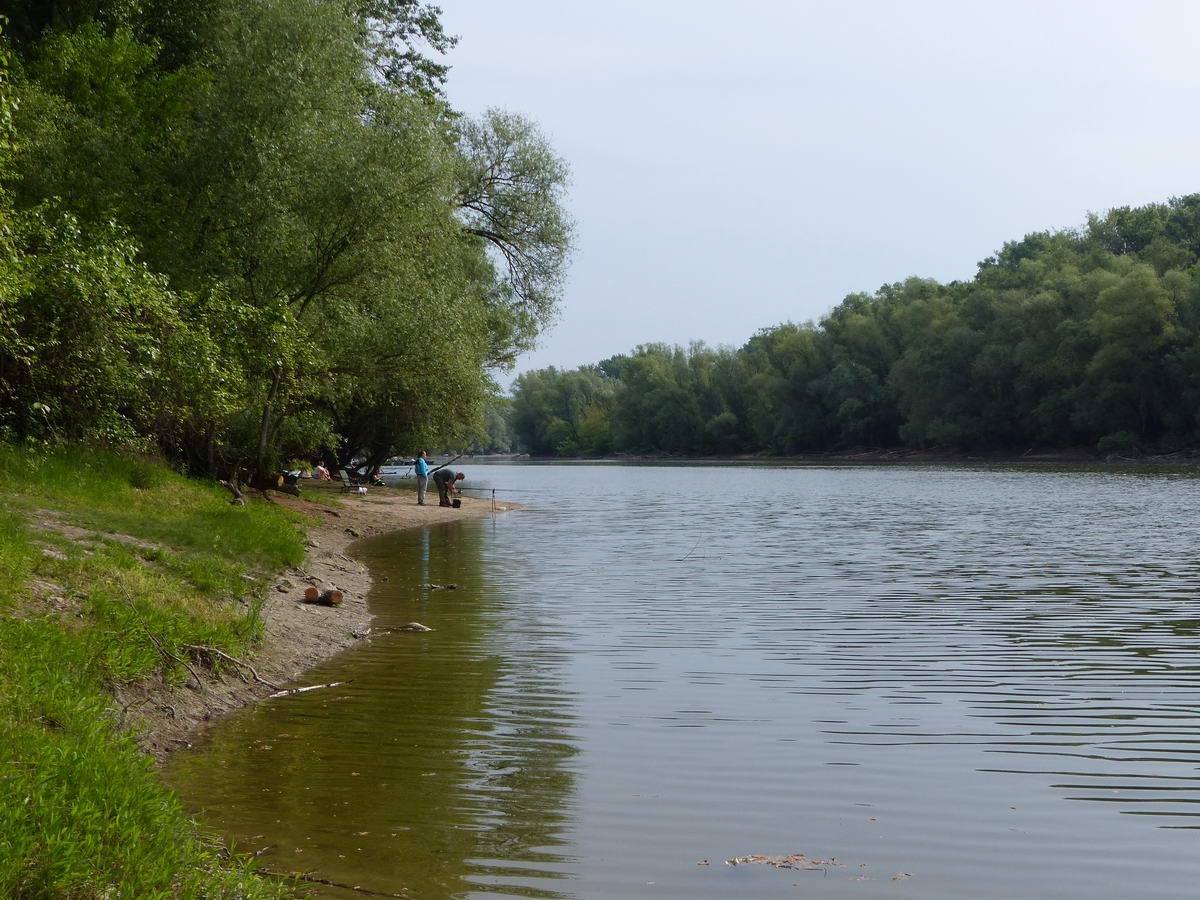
330	597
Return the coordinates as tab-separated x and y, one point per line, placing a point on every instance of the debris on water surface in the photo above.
442	587
302	690
791	861
411	627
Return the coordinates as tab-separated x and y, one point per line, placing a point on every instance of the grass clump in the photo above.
142	559
81	812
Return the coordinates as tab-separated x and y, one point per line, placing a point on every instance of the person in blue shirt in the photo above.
422	467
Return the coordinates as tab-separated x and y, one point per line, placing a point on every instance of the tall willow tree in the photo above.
510	197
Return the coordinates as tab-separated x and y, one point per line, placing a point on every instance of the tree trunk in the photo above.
238	498
278	482
263	483
231	484
264	429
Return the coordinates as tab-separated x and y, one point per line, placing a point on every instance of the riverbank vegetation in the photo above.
116	570
245	231
232	234
1087	337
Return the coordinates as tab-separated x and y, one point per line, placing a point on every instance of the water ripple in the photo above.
655	666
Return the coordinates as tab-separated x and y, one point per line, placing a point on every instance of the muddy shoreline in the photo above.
298	635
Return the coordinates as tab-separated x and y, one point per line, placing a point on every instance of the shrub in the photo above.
1118	442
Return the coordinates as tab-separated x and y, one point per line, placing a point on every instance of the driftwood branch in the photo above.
213	651
262	483
311	687
232	484
238	498
167	653
313	879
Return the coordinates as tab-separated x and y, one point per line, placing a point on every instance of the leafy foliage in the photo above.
253	230
1088	337
392	32
510	197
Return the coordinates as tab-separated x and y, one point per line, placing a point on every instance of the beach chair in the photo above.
347	482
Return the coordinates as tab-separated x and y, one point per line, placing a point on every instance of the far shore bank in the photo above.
1080	455
298	635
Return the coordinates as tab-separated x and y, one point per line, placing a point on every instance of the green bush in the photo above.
1118	442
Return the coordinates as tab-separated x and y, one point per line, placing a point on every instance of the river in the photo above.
933	682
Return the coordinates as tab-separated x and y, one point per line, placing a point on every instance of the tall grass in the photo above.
143	498
161	561
17	556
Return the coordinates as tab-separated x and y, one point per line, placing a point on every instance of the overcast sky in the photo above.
735	166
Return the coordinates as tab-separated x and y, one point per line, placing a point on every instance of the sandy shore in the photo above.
298	634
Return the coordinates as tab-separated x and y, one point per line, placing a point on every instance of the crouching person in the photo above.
447	483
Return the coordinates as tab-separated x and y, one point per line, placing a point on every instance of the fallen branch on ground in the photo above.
167	653
233	659
238	498
313	879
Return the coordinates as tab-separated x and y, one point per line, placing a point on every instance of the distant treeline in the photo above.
1085	337
248	230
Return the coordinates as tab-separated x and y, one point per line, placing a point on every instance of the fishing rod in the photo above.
443	465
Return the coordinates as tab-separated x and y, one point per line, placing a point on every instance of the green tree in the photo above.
510	196
343	255
558	412
1134	324
786	409
393	35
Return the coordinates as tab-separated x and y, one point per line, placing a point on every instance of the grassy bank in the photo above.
115	570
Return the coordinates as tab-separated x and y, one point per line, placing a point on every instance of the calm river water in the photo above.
952	682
